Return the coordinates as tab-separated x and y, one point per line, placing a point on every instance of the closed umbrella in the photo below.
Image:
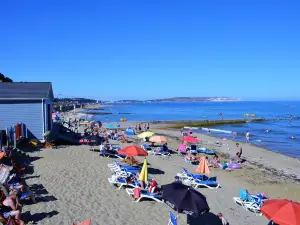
282	211
190	139
133	151
158	139
146	134
144	172
184	199
203	166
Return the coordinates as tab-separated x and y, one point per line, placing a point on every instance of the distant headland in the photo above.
183	99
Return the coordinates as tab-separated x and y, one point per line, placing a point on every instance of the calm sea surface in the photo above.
277	139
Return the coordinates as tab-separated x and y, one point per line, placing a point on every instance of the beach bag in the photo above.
137	192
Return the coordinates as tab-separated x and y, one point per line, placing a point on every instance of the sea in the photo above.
277	139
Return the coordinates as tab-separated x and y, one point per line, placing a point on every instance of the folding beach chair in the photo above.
145	194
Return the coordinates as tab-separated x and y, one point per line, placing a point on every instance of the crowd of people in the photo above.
13	189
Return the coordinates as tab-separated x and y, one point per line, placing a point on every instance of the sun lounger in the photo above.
249	202
187	175
172	219
160	151
144	194
121	182
109	154
147	148
211	184
198	180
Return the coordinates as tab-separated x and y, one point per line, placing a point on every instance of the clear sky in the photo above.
143	49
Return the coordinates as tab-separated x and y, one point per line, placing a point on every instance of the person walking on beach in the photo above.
233	135
140	128
148	127
239	153
145	127
248	136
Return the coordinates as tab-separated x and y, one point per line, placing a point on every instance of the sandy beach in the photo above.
71	184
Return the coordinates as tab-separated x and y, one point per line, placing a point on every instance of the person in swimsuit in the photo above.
239	153
11	208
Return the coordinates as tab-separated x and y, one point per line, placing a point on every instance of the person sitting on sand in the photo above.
189	156
177	180
153	189
239	153
165	147
11	207
215	162
224	222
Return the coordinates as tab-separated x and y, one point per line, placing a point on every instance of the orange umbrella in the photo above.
158	139
133	151
203	167
282	211
190	139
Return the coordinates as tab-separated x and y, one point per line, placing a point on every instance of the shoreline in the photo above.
293	177
255	155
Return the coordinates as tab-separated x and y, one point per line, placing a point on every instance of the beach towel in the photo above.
137	192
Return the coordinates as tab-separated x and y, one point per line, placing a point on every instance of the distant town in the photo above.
85	101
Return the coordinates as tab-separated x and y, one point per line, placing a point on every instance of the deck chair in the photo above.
193	149
210	184
109	154
147	148
159	151
144	194
121	182
172	219
250	203
117	165
187	175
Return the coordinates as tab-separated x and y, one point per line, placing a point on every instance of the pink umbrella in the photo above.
190	139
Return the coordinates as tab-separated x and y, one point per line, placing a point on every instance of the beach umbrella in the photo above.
158	139
190	139
132	150
146	134
206	219
203	166
111	126
144	173
282	211
184	199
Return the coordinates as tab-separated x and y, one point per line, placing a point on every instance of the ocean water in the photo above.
277	139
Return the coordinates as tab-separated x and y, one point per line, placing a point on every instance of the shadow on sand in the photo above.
38	217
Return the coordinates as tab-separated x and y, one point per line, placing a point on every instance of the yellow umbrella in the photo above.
144	173
146	134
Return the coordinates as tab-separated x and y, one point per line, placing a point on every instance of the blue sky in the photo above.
151	49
